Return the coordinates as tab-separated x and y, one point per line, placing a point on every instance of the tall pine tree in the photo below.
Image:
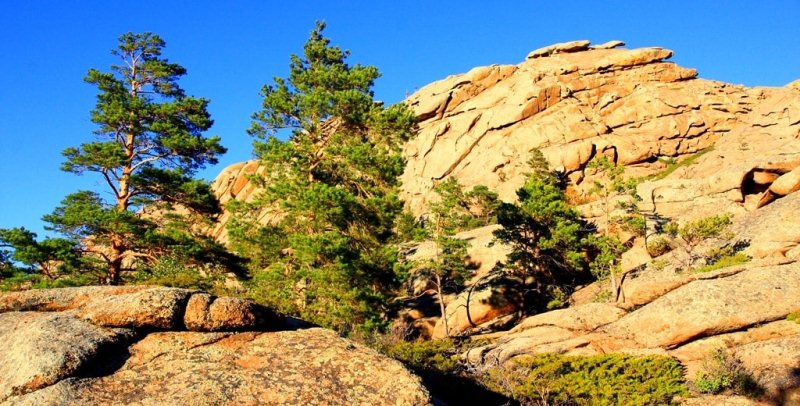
333	189
149	144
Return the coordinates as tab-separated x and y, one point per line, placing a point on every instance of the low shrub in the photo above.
724	262
633	224
723	372
594	380
22	280
658	264
658	246
673	164
178	273
794	316
425	355
603	296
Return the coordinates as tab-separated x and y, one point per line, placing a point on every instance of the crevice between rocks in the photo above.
713	333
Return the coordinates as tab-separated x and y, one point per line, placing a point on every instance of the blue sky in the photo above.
232	48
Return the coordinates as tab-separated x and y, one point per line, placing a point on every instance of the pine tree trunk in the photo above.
115	264
441	305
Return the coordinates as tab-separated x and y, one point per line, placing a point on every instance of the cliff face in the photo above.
575	102
700	148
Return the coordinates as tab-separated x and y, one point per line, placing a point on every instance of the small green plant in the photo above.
558	298
603	296
422	355
594	380
633	224
673	164
409	228
722	372
794	316
658	246
724	262
659	264
689	236
178	272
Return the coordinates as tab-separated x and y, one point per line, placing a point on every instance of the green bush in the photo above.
724	372
24	280
794	316
658	264
422	355
633	224
595	380
176	272
658	246
603	296
724	262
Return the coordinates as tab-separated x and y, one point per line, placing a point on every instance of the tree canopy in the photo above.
332	187
149	142
548	238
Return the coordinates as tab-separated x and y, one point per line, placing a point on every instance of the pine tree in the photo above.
332	187
548	238
448	267
149	143
51	257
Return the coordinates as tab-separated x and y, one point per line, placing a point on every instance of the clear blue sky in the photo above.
232	48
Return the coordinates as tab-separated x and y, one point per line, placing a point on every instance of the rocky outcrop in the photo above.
486	300
708	146
743	310
164	346
575	102
708	307
698	147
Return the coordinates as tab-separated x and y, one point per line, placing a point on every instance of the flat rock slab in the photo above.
709	307
305	367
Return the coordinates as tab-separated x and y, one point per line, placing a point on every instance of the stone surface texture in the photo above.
165	346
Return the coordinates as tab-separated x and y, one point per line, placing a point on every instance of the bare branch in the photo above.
104	171
148	160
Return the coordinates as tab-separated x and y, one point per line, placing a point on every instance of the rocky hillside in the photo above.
574	102
698	147
163	346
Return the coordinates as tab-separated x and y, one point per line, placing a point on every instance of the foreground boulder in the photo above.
112	345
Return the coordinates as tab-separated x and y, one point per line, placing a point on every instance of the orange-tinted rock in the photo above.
494	297
205	312
565	47
716	306
312	366
76	346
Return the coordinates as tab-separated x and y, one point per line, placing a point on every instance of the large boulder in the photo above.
164	346
557	331
40	349
147	307
312	366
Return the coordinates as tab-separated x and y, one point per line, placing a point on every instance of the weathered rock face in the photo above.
574	102
494	297
742	308
701	147
163	346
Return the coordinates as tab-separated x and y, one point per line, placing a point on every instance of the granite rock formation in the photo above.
165	346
